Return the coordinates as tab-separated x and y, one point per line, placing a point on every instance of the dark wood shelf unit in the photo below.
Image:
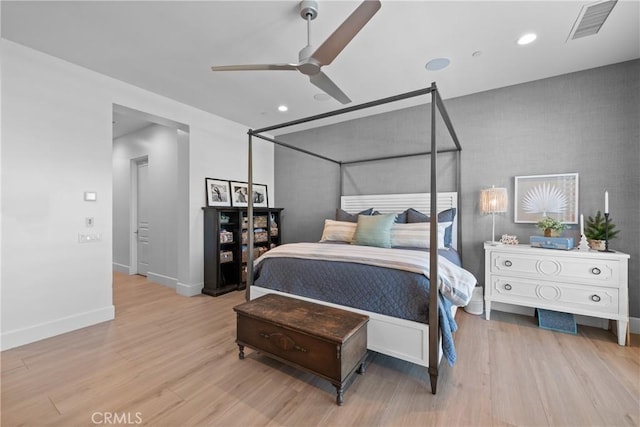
224	264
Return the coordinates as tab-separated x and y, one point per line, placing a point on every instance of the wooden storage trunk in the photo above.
326	341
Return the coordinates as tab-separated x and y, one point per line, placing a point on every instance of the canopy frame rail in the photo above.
437	105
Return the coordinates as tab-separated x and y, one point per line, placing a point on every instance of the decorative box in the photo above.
259	222
564	243
226	256
226	236
258	236
245	257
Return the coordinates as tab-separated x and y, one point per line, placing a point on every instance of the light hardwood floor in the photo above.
168	360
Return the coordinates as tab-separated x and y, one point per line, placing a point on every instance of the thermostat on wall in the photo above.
90	196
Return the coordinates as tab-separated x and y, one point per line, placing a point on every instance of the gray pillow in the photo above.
342	215
446	215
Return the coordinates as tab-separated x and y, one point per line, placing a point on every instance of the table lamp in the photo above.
493	200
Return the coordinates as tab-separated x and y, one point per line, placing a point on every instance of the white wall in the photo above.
56	144
159	144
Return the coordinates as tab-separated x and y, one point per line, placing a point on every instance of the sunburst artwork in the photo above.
555	196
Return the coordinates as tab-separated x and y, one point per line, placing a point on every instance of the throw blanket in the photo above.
455	283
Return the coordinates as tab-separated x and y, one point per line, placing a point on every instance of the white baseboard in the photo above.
189	290
18	337
634	322
120	268
161	279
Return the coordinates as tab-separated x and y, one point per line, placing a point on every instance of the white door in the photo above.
142	222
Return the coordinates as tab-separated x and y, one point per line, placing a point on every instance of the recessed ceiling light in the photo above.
283	108
437	64
321	97
526	39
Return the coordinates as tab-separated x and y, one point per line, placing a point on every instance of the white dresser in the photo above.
589	283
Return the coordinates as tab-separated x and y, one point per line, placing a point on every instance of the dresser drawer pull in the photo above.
508	263
507	287
283	341
595	298
596	271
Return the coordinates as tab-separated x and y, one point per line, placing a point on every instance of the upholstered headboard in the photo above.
396	203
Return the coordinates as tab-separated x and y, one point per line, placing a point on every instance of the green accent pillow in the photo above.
374	230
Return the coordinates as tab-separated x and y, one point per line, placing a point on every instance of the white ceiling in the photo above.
168	47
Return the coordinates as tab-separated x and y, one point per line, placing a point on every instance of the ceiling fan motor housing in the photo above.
308	8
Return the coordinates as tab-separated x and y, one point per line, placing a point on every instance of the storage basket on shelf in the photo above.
226	256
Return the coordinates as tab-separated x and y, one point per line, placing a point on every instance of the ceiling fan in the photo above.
311	61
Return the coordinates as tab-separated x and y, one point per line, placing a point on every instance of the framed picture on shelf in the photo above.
240	191
260	196
555	196
217	192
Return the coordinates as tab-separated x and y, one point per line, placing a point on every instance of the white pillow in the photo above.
338	231
416	234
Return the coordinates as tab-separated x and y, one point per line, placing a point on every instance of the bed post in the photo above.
434	330
249	220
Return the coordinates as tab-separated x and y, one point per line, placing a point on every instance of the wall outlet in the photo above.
89	237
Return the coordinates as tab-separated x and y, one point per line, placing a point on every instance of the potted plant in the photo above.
551	226
595	230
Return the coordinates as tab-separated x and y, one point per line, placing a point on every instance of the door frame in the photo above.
133	213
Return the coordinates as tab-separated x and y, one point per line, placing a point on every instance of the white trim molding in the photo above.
163	280
18	337
189	290
120	268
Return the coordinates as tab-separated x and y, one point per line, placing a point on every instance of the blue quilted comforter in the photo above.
387	291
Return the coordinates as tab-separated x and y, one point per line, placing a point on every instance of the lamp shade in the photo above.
493	200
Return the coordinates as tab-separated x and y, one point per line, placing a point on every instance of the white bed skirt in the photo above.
399	338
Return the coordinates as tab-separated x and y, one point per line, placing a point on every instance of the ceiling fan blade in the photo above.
255	67
323	82
337	41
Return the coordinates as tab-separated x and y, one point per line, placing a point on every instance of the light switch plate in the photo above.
90	196
89	237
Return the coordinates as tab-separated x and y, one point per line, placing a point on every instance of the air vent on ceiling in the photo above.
591	18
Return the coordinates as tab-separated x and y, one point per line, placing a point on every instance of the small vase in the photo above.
597	245
549	232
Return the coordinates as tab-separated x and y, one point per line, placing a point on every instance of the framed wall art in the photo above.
217	192
555	196
240	191
260	196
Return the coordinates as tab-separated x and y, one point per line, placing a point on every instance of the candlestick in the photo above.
581	225
606	202
606	230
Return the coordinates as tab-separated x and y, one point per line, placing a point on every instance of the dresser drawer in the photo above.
549	294
599	272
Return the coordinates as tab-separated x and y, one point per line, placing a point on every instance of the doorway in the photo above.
150	197
140	191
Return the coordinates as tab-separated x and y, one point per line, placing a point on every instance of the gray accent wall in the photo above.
585	122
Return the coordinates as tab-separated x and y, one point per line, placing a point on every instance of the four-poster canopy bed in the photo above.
401	336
